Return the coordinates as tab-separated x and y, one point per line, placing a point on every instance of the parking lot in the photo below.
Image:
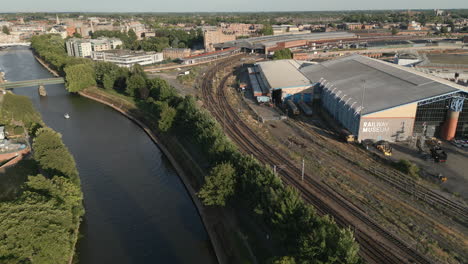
455	169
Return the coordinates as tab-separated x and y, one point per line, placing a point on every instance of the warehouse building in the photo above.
284	80
383	101
268	44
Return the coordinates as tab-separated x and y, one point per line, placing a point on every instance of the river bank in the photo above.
50	201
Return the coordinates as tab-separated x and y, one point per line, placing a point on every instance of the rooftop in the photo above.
281	74
385	85
269	41
127	53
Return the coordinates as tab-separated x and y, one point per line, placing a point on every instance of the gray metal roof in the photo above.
281	74
383	84
268	41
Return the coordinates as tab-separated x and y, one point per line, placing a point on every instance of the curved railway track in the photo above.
377	244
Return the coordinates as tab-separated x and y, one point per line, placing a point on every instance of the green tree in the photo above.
394	31
52	155
6	30
18	108
79	77
166	115
134	83
266	30
77	35
108	81
282	54
160	89
444	30
284	260
219	185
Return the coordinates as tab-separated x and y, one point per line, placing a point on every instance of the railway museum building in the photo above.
374	99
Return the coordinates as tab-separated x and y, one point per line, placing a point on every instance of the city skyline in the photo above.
216	6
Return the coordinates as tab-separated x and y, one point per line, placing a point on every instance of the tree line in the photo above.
39	224
235	179
164	38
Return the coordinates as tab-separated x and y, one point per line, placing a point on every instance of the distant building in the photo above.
413	25
83	47
12	38
59	30
286	29
78	47
174	53
127	58
212	37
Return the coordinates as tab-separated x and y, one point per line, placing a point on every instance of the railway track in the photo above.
454	209
377	244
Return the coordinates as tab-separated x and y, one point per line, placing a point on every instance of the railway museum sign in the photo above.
375	127
391	128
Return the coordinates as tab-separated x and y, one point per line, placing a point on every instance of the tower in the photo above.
57	19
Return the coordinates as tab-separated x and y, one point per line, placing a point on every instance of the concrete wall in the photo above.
395	124
408	110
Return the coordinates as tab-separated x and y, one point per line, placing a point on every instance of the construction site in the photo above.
337	132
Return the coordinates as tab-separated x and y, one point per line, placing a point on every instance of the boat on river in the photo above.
66	115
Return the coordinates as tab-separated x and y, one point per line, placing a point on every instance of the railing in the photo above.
31	83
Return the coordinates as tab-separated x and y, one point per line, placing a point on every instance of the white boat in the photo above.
66	116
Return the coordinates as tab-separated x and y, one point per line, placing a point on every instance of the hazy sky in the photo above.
219	5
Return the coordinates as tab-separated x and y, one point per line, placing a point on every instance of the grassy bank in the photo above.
41	213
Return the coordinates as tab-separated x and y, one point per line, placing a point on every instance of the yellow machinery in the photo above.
384	147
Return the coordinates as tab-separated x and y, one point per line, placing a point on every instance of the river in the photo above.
137	209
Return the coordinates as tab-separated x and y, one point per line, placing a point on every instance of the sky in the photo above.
219	5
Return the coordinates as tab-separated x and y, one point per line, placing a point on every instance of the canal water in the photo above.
137	209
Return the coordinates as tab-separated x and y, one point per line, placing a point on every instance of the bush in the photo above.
408	167
18	130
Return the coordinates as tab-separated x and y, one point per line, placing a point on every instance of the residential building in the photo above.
78	47
127	58
59	30
83	47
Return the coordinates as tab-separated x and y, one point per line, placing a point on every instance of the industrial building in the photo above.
209	56
374	99
267	44
128	58
284	80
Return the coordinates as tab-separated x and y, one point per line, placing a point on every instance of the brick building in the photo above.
175	53
211	37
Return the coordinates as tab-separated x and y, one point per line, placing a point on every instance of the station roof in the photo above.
283	74
383	84
271	41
